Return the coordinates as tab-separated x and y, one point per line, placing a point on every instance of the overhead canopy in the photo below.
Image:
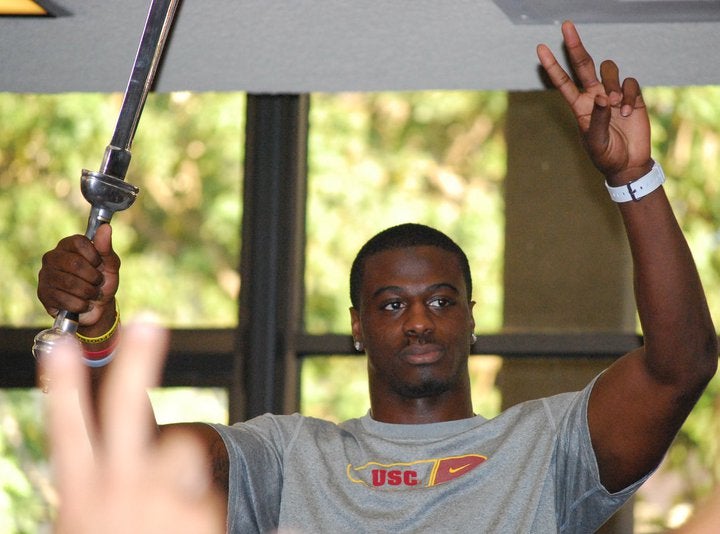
348	45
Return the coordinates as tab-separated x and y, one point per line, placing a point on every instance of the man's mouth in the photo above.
421	354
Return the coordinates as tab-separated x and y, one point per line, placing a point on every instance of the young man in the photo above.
420	460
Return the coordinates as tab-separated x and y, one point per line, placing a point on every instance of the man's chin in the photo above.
425	389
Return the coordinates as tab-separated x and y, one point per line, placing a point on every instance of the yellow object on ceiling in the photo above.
21	7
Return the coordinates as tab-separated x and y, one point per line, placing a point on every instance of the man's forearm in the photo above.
680	339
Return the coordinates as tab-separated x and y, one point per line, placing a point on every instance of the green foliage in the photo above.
184	233
381	159
24	486
181	234
334	388
686	141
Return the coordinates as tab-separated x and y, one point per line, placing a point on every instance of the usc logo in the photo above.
394	477
421	473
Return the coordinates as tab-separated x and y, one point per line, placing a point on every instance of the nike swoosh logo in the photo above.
454	470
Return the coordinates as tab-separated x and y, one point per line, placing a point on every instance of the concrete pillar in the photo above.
567	265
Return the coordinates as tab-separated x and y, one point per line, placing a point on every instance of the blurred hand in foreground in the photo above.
129	479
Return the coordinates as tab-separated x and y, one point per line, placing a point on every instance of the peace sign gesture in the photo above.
612	116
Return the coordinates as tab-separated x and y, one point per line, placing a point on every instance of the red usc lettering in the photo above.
393	477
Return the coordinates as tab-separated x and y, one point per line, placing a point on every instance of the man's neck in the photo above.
424	410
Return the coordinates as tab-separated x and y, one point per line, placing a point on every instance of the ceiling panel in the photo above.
610	11
304	45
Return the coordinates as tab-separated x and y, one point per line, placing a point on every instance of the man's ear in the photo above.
355	324
472	317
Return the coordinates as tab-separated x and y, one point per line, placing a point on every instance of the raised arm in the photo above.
82	276
640	402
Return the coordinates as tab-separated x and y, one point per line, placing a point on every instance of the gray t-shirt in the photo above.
531	469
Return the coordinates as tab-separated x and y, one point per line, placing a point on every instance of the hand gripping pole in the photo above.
106	190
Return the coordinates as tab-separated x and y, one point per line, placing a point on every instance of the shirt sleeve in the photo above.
582	502
255	450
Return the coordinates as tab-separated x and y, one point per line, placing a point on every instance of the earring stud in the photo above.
358	346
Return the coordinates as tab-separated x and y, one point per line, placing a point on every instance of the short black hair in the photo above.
405	236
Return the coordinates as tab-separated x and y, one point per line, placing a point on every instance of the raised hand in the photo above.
611	115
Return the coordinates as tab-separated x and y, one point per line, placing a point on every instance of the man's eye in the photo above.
393	306
439	302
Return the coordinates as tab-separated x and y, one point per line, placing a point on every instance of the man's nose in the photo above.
418	323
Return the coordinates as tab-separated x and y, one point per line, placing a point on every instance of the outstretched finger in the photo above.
581	61
559	78
124	401
71	452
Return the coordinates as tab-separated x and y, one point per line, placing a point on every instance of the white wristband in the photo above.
101	362
637	189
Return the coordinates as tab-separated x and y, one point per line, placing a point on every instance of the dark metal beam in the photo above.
204	358
201	358
515	345
272	255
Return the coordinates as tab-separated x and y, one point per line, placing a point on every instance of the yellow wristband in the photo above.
107	335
